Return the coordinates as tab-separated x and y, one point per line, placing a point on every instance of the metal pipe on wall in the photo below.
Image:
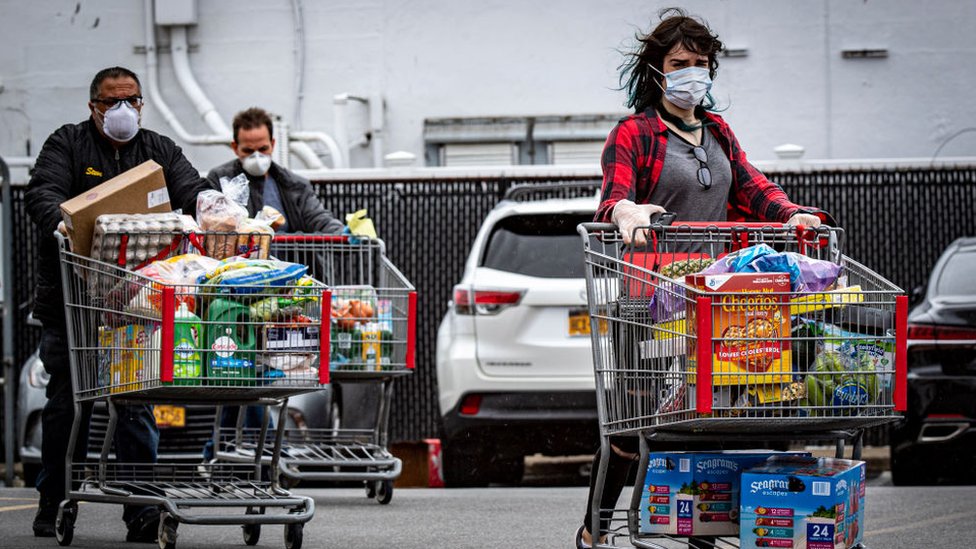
152	86
181	66
325	139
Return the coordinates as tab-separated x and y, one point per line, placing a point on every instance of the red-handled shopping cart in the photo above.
812	348
371	344
137	337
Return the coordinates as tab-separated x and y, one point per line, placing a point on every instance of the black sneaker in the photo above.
145	527
47	513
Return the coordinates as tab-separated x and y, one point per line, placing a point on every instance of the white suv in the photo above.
514	358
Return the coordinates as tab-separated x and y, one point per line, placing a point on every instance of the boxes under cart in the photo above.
803	503
694	494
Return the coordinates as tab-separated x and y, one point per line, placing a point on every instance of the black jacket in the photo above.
75	158
303	210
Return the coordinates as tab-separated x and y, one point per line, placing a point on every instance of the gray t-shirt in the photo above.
678	189
273	198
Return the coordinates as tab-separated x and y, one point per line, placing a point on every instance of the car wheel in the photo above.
464	466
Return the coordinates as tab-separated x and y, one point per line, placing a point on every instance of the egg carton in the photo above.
146	237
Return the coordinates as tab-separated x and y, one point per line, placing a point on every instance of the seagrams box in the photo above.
803	503
750	327
697	493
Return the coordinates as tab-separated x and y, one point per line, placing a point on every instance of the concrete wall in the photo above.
451	58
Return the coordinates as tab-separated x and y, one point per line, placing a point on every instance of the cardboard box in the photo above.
803	503
750	327
696	494
139	190
421	462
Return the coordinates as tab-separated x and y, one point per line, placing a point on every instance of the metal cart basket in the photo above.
134	339
676	359
372	335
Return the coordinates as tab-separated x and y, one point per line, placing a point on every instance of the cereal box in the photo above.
133	360
750	327
803	503
695	493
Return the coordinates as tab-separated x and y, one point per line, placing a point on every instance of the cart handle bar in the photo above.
292	238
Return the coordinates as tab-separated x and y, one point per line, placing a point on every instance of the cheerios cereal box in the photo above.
802	503
750	327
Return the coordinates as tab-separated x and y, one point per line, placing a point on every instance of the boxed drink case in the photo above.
689	493
803	503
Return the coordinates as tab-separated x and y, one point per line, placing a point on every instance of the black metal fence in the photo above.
897	221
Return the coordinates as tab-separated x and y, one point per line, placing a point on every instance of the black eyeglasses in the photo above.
704	175
132	100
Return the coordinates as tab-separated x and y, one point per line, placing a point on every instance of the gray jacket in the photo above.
303	210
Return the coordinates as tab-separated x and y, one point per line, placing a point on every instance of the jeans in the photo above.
136	435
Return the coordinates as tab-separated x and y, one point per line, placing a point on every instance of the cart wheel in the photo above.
370	489
384	491
64	524
293	536
252	534
167	531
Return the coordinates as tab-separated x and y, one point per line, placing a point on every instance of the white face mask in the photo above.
121	122
686	87
257	164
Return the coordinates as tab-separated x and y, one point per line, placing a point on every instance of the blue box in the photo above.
696	493
803	503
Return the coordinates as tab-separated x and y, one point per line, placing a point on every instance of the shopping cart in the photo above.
133	339
372	339
680	362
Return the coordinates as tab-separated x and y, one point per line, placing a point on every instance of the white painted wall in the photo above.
452	58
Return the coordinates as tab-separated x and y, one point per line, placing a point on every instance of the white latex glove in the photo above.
807	220
628	216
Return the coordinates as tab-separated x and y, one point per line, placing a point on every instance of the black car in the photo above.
938	436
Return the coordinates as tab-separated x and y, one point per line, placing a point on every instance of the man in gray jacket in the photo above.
271	184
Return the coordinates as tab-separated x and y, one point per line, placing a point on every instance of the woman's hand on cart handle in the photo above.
804	219
63	229
628	217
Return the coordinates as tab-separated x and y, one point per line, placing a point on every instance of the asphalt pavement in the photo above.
530	517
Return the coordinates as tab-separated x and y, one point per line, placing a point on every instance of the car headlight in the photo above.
37	376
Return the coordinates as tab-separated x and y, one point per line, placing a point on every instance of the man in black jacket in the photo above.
271	184
74	159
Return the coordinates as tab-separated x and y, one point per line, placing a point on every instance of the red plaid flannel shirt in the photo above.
634	156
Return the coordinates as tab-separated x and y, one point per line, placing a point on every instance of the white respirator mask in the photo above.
121	122
257	164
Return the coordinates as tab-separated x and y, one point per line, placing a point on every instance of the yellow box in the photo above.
825	300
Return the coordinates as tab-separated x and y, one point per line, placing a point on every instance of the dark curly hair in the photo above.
676	27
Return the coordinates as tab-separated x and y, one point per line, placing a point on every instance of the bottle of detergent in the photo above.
231	342
187	356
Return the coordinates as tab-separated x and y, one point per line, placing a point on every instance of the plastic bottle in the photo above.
187	357
231	343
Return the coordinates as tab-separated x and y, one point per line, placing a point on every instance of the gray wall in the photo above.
447	58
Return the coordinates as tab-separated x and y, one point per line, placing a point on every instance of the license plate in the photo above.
579	323
169	416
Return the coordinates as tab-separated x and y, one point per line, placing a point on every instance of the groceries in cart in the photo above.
362	329
242	320
774	347
817	503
